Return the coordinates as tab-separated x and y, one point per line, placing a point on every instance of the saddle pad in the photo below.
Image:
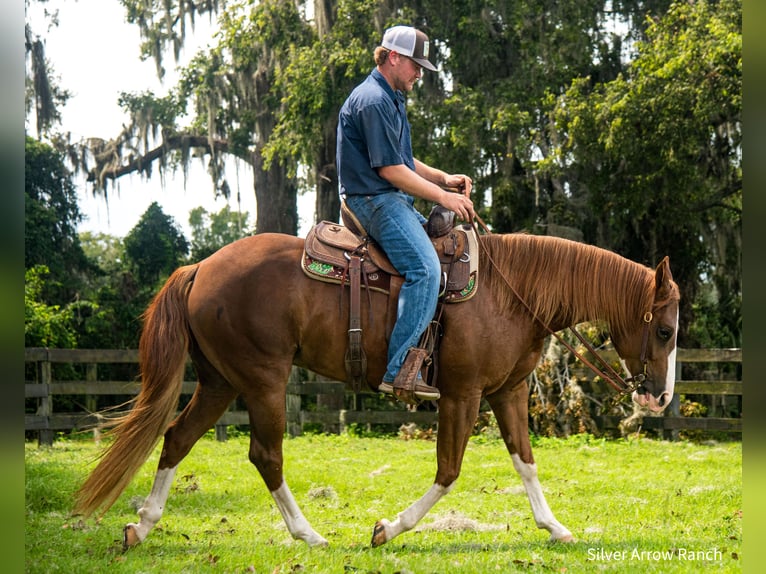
377	280
464	273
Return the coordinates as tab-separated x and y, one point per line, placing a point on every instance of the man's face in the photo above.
406	72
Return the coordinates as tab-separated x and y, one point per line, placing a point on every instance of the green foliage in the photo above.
79	291
211	231
43	94
655	155
149	112
618	495
45	325
106	251
155	247
504	60
118	298
51	216
317	79
616	122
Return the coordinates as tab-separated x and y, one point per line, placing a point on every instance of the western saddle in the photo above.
346	255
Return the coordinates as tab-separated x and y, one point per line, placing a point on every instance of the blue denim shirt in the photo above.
373	131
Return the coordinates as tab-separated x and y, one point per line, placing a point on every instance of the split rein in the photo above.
622	385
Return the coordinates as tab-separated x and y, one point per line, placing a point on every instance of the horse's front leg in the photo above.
511	411
543	515
456	420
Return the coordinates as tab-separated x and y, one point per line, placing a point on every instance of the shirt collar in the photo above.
396	95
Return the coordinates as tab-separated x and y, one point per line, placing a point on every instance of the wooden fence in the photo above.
671	422
331	396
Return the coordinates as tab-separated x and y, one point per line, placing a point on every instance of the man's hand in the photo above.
459	202
449	190
460	182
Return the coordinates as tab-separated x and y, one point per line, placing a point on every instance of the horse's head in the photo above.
649	352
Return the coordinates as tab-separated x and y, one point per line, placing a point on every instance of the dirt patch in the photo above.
455	521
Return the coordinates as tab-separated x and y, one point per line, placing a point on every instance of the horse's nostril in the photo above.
664	399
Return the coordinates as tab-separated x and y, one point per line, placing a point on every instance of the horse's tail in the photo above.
162	356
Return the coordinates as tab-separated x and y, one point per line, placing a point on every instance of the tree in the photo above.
269	94
43	93
211	231
315	83
51	216
118	297
106	251
155	247
656	154
45	325
231	90
526	90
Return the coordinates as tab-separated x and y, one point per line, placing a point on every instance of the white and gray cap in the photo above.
409	42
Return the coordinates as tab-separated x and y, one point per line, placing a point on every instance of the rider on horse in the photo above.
379	179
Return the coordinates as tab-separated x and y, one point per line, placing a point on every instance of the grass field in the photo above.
634	505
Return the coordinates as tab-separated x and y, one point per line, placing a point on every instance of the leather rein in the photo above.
622	385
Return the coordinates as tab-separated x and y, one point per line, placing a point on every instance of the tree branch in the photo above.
110	167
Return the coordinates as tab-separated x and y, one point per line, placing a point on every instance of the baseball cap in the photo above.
409	42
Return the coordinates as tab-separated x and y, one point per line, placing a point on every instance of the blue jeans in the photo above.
395	225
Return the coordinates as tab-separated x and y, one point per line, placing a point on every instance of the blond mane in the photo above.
566	282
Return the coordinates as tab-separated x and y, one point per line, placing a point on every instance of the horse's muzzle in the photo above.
647	400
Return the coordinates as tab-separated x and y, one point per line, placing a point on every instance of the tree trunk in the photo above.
275	196
327	201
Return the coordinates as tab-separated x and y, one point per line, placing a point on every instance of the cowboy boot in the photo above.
408	385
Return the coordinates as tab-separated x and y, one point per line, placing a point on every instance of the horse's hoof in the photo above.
378	534
317	541
565	539
129	537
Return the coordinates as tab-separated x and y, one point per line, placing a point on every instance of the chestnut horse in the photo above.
248	313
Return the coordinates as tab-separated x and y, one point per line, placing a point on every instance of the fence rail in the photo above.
672	422
46	422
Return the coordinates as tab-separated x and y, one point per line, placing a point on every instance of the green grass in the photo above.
618	497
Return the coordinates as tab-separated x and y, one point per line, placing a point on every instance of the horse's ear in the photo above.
662	278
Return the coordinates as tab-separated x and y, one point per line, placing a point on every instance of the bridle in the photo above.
622	385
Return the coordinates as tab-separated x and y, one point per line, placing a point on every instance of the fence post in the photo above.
674	409
221	435
342	427
293	407
91	401
45	408
332	402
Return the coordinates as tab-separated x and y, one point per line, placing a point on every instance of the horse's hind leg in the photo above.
266	409
511	411
211	398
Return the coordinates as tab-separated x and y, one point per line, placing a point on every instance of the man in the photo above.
379	179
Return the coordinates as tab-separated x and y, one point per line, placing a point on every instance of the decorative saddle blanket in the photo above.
330	246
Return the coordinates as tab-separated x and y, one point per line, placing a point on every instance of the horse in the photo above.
248	313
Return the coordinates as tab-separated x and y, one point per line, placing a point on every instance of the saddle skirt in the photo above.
329	247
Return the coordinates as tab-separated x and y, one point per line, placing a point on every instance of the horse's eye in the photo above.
664	333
